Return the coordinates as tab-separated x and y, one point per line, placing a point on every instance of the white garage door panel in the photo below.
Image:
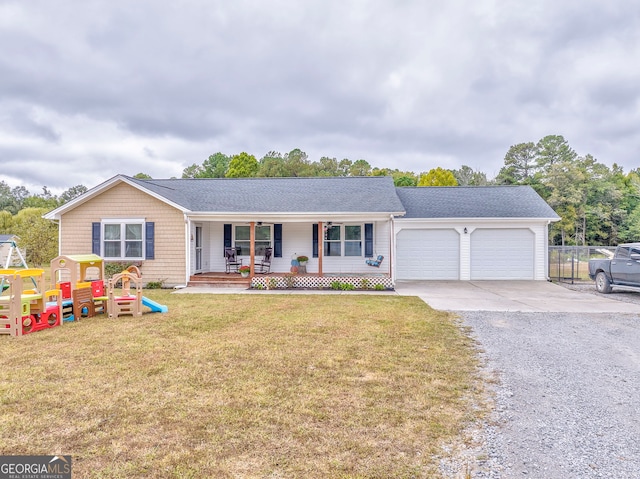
428	254
502	254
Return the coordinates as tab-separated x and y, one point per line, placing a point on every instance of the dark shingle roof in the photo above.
474	202
374	194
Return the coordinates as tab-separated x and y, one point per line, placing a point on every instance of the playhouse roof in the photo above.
83	258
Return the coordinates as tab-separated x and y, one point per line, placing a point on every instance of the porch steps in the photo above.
219	280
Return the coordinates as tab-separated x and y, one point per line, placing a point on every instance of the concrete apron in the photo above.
525	296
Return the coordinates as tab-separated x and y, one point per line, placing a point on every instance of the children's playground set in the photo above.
77	290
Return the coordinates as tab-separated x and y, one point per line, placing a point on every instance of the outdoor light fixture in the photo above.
465	230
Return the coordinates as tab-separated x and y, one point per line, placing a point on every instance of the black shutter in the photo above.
277	240
314	246
95	238
227	237
368	240
149	238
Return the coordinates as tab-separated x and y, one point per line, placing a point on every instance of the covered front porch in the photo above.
338	251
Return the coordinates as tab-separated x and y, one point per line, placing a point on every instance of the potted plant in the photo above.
244	270
303	260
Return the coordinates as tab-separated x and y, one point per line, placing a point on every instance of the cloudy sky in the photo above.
93	88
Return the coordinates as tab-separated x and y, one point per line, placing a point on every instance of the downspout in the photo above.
187	248
59	236
392	249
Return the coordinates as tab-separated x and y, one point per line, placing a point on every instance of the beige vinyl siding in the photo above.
122	202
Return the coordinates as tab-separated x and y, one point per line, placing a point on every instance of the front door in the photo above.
198	249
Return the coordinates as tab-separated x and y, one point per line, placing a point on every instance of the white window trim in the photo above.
122	222
234	239
343	241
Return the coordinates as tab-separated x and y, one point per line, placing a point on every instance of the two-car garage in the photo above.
472	233
477	254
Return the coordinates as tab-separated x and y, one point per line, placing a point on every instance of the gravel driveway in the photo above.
566	393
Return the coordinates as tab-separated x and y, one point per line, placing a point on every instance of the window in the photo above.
332	242
123	240
353	240
243	241
347	238
623	253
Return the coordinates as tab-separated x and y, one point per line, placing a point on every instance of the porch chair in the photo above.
264	266
232	261
375	262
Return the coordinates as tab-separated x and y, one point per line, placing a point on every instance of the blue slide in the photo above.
155	307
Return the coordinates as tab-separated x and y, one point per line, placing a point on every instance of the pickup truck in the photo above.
621	270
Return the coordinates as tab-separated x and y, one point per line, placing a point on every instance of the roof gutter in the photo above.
286	217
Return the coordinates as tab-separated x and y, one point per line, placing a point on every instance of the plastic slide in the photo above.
155	307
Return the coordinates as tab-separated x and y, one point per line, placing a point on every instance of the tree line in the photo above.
598	204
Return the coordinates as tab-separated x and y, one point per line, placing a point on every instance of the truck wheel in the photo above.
602	283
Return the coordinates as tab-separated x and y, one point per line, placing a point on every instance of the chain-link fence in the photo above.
570	264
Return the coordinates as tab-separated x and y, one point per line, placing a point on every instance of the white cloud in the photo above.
96	88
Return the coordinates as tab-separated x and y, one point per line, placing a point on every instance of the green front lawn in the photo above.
243	386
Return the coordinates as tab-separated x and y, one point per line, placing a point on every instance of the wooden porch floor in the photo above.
220	279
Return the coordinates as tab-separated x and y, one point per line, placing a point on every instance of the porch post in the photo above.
252	247
320	247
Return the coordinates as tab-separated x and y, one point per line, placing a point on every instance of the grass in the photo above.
243	386
577	270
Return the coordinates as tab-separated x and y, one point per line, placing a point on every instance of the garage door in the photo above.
428	254
502	254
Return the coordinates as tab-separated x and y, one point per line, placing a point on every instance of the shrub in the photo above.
337	285
290	280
